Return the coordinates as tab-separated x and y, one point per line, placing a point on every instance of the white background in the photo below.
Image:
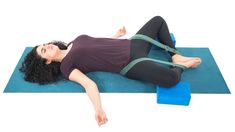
195	23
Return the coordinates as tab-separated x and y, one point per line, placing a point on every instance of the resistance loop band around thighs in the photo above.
154	42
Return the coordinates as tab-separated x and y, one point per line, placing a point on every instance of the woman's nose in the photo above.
45	46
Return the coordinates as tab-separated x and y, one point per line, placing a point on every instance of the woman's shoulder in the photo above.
81	37
67	65
84	36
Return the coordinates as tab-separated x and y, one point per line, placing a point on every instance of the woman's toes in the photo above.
197	62
191	63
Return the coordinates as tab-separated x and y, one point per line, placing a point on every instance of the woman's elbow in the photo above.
89	85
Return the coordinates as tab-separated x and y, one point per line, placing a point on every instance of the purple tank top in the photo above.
96	54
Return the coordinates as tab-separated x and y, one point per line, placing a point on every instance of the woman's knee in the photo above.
158	18
172	81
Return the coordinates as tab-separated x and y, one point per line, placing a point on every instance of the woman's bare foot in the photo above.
189	62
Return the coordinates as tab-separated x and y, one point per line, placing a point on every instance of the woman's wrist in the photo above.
98	109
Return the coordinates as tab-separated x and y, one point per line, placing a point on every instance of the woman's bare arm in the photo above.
93	93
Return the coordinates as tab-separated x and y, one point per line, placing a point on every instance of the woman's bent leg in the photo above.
152	72
155	28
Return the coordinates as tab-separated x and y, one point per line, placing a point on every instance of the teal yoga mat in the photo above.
207	78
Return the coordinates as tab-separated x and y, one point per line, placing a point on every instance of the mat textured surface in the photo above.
207	78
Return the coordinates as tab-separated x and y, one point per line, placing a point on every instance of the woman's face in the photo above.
48	51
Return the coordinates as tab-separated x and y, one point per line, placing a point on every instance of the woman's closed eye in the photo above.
43	50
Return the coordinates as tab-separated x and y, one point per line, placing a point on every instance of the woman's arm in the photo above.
121	32
93	93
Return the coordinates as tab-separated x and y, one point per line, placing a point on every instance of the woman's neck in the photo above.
64	53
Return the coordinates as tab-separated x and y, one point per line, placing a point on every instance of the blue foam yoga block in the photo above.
173	38
176	95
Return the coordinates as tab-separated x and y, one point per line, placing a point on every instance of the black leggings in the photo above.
150	71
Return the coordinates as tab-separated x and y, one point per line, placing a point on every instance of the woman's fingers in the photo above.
124	29
101	119
104	119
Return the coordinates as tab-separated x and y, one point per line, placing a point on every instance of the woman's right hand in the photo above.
93	93
100	117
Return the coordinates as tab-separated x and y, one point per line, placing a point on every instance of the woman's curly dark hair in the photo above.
36	70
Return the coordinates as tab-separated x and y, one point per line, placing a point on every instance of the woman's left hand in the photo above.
121	32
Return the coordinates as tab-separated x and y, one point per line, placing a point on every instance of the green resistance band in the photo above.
154	42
